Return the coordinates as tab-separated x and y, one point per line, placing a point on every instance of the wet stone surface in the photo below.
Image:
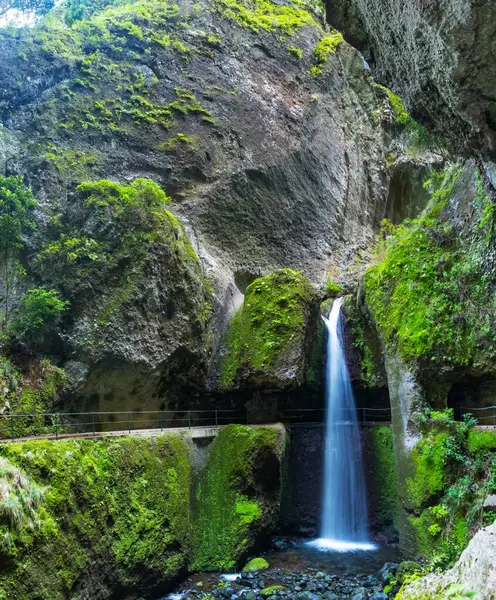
333	576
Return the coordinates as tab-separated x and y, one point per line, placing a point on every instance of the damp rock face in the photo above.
438	55
265	130
474	571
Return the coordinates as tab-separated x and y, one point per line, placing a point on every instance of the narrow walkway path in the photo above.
192	432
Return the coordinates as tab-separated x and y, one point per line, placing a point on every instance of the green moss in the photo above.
267	15
256	564
446	493
229	509
122	503
481	442
384	475
270	591
298	52
430	295
326	46
36	390
270	322
430	478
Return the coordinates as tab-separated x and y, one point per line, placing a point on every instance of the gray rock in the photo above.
379	596
432	57
475	571
307	596
361	594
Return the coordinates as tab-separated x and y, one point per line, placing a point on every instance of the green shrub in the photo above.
39	308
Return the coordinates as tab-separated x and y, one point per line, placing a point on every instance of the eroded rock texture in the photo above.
267	165
440	57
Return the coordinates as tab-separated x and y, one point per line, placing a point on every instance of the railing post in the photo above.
56	427
12	427
189	419
161	420
129	421
216	418
93	422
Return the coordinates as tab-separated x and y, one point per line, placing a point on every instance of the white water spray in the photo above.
344	509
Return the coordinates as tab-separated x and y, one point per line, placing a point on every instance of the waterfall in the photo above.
344	508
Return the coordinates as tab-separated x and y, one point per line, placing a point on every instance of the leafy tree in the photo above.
78	10
16	203
40	7
38	307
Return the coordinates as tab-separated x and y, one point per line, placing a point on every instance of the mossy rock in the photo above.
270	591
269	338
258	564
116	505
407	567
238	496
481	441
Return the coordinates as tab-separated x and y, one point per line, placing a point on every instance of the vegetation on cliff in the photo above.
237	497
454	471
119	507
431	293
272	325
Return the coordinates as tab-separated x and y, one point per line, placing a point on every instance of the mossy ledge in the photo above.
269	336
238	496
96	518
113	514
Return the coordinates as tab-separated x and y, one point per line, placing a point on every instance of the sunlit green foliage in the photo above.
265	14
430	295
229	511
270	322
40	7
39	308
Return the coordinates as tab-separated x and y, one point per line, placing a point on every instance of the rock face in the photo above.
475	571
438	55
270	338
238	495
126	517
274	155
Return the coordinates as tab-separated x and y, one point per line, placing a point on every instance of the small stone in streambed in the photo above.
361	594
387	570
379	596
330	596
250	596
307	596
255	564
227	592
270	591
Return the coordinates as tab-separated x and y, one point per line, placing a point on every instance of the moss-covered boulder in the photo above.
93	516
255	564
238	496
269	338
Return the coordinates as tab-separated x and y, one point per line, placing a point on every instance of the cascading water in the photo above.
344	509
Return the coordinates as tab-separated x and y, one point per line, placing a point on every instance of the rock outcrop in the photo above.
128	517
475	571
267	131
439	56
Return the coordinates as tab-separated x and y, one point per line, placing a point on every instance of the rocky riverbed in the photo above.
289	575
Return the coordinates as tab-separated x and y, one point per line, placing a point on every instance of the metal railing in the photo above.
485	416
87	424
60	425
